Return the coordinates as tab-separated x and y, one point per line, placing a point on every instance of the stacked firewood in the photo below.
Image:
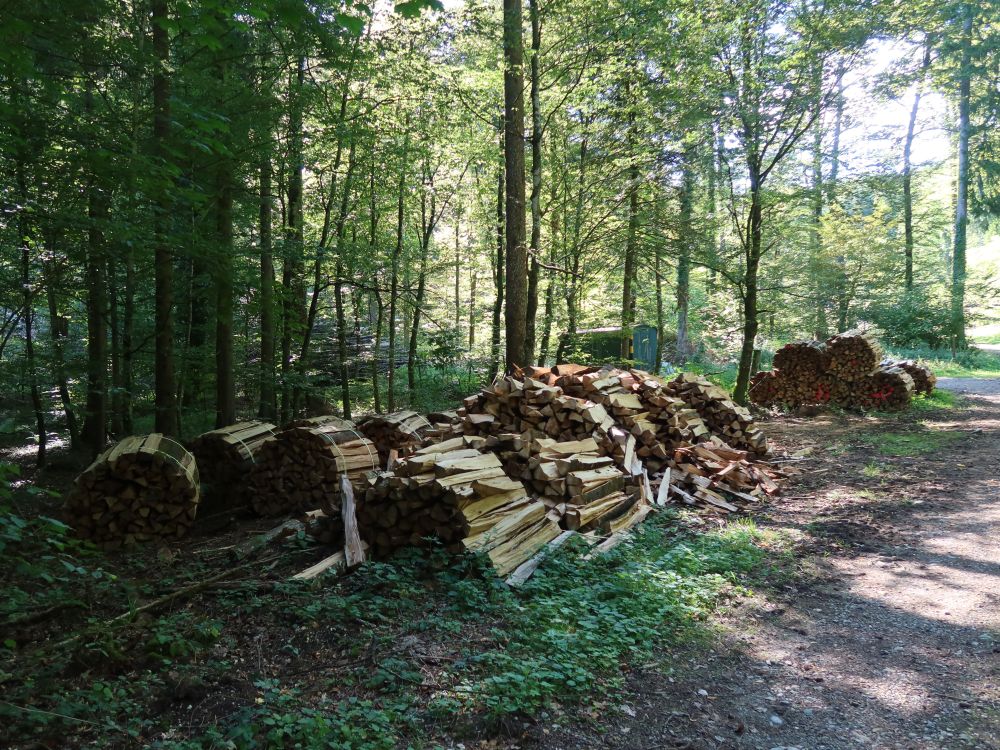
845	371
723	417
299	468
853	355
225	458
924	380
722	477
401	431
459	496
143	488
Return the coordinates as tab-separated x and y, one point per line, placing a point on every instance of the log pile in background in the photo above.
300	467
845	371
143	488
225	458
401	431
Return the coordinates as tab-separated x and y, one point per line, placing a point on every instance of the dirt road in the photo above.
887	636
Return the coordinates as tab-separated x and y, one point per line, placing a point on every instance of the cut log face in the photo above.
143	488
225	458
300	467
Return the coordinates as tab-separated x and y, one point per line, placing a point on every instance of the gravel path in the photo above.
889	636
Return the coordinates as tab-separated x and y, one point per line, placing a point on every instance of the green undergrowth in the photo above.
397	654
938	399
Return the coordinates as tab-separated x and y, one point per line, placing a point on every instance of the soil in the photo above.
886	636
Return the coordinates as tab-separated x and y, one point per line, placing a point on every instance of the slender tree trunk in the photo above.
567	341
536	182
338	287
114	319
660	319
820	278
376	350
962	186
225	382
458	274
128	336
752	255
427	223
29	347
268	408
59	332
631	241
372	245
292	275
165	386
908	170
543	351
830	191
498	275
473	281
517	256
397	255
684	257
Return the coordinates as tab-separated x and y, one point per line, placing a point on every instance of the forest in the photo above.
499	374
229	209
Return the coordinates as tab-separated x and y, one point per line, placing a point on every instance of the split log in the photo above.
402	431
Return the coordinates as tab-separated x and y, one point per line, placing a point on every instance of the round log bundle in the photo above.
801	358
924	379
853	355
225	458
300	467
143	488
402	431
889	389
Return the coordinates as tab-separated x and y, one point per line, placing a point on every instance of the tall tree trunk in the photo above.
165	386
517	255
473	281
225	381
458	274
631	240
338	287
427	224
292	273
268	408
95	423
830	191
543	350
128	336
29	342
58	331
908	170
660	318
567	341
397	254
820	279
536	182
115	323
498	274
962	185
752	253
376	350
372	245
684	258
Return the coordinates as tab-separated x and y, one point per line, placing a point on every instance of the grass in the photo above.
911	443
872	470
939	399
400	653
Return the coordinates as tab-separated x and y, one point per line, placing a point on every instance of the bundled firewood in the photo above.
324	420
459	496
889	389
299	468
401	431
724	418
143	488
801	358
924	379
853	355
225	458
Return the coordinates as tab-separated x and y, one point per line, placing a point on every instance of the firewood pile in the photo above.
571	448
299	468
401	431
143	488
462	497
847	370
226	456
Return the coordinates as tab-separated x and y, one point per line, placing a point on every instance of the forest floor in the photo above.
860	610
888	635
